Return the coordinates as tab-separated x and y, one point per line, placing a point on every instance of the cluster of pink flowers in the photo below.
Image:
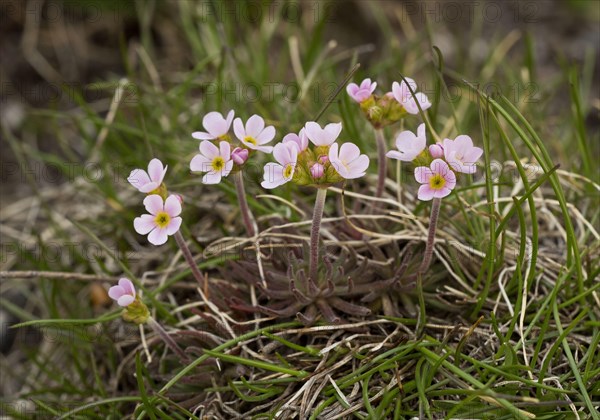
437	169
321	165
400	92
441	161
218	161
163	219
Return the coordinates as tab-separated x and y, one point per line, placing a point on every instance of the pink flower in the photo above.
215	124
317	170
163	220
276	174
438	180
300	140
409	145
123	293
216	162
436	151
349	163
404	97
239	155
323	136
461	154
148	181
363	92
254	135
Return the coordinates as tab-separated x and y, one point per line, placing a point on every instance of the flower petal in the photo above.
149	187
158	236
358	167
229	119
405	140
333	152
173	206
254	126
227	169
421	131
156	170
144	224
225	150
266	135
438	166
423	174
265	149
322	136
201	135
127	285
138	178
215	124
349	152
211	177
115	292
125	300
200	163
173	226
238	129
442	192
273	176
285	153
394	154
208	149
333	130
425	192
153	203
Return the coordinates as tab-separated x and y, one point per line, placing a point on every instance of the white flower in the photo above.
276	174
216	162
349	162
254	134
409	145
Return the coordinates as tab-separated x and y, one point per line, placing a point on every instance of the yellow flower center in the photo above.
287	171
437	182
218	163
162	219
251	140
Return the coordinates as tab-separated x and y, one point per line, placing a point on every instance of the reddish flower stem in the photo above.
381	162
158	329
433	218
187	254
244	208
315	232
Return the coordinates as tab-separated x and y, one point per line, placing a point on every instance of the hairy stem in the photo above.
158	329
244	209
381	162
187	254
314	233
435	212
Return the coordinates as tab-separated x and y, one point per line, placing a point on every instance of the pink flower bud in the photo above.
317	171
323	159
239	155
436	151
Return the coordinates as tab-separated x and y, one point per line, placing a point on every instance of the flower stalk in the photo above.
158	329
244	208
315	232
433	218
189	258
381	162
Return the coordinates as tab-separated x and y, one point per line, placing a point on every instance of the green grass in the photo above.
511	324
